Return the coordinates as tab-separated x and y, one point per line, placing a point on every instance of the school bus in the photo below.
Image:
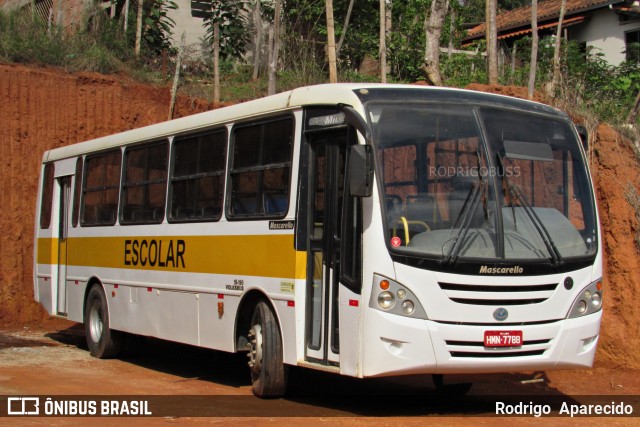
362	229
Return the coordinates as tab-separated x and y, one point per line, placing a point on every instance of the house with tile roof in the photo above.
610	27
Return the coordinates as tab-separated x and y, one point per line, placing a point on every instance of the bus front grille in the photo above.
498	294
476	349
497	354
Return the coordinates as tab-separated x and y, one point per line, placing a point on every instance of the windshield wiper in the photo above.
506	181
463	222
538	224
513	189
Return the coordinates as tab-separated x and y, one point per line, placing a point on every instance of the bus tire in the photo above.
268	372
103	342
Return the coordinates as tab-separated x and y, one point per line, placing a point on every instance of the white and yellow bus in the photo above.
362	229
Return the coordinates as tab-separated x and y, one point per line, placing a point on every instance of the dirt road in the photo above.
52	360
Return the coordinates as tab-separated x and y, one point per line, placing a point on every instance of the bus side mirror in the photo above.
361	170
584	136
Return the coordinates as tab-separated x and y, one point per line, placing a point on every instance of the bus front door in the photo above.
326	185
63	224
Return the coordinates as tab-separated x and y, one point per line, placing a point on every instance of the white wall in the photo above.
605	33
192	27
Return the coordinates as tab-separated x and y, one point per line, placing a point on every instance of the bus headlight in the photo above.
386	300
589	300
407	307
392	297
596	300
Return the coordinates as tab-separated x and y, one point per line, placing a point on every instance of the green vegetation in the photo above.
589	85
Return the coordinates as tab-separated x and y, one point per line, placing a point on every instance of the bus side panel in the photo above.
178	313
216	329
75	300
349	309
45	265
287	318
300	315
44	292
133	309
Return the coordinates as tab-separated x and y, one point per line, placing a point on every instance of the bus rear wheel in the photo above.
102	341
268	372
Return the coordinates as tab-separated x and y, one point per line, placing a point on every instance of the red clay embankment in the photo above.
42	109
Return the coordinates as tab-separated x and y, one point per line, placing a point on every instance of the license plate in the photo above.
502	338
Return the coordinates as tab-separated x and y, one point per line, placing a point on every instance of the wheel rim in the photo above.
95	323
255	348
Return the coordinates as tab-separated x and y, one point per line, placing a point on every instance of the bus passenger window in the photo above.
144	184
197	180
76	193
47	197
100	188
261	169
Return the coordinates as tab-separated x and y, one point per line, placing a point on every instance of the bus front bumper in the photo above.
397	345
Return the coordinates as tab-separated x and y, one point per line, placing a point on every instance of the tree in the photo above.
345	27
226	32
216	62
158	26
556	51
383	41
534	48
274	48
257	46
331	43
406	43
492	41
139	28
233	27
433	30
154	28
125	12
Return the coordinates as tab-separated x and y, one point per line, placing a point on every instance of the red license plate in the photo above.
502	338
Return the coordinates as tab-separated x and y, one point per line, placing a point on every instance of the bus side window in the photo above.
47	196
260	171
100	188
76	193
144	184
197	177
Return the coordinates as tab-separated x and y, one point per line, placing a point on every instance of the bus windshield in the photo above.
482	182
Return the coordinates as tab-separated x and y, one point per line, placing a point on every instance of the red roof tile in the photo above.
547	10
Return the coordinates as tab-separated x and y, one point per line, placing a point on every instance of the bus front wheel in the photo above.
103	342
268	372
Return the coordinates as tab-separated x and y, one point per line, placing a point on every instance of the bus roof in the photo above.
323	94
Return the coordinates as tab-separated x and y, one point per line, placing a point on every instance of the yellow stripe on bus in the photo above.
256	255
47	251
